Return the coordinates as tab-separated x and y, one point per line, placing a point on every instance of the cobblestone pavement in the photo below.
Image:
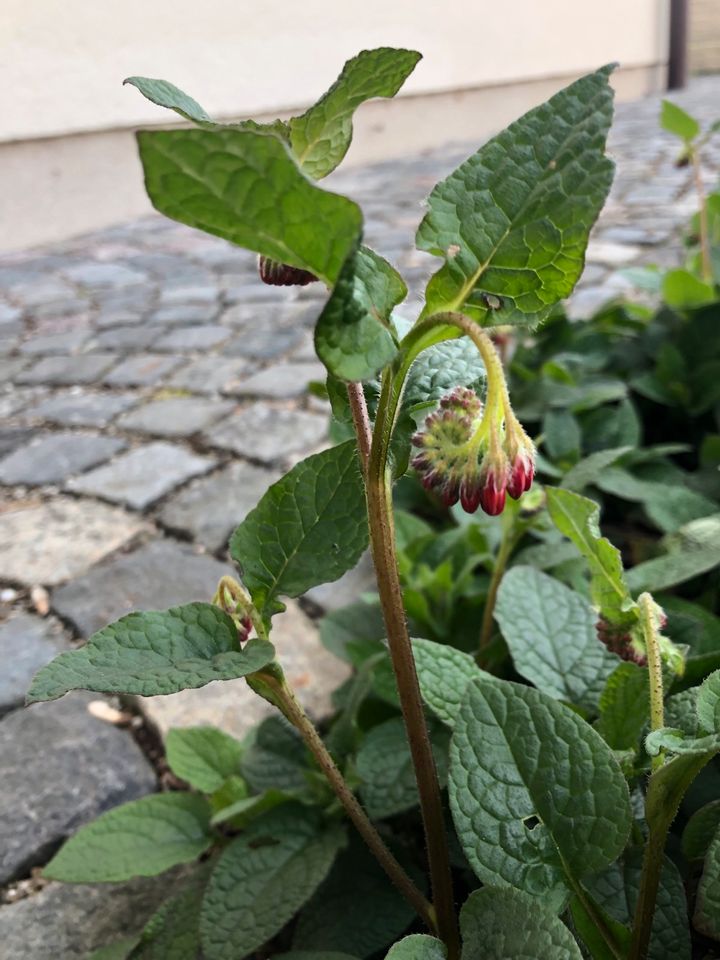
152	388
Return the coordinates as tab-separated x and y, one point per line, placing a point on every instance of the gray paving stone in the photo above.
282	315
18	398
40	291
55	457
13	437
131	339
188	294
9	369
183	315
209	509
268	433
143	475
158	575
68	371
611	254
26	644
231	705
48	543
187	339
586	301
282	381
98	275
210	374
265	344
176	416
8	313
142	371
84	410
67	921
56	343
85	766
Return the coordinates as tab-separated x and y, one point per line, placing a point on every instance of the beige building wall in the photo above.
67	154
704	36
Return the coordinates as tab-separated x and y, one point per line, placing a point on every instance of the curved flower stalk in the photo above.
473	452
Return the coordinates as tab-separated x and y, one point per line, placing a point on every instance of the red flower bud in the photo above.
521	476
619	642
492	494
282	274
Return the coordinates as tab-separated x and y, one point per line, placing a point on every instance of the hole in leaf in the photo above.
531	822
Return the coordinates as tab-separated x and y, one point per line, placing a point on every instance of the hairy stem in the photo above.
706	261
652	646
273	687
361	422
382	539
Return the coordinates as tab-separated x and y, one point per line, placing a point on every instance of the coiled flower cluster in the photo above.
477	454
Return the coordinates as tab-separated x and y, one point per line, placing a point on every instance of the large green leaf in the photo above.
444	673
321	136
506	924
692	550
384	765
551	634
202	756
263	878
356	908
138	839
308	528
440	368
708	703
624	706
535	792
700	829
173	932
707	904
577	517
669	506
276	757
246	187
418	946
353	336
513	221
589	470
155	652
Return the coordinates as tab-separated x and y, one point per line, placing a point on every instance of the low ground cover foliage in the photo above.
524	760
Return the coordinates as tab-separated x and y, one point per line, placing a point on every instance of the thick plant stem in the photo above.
382	539
277	691
647	895
361	422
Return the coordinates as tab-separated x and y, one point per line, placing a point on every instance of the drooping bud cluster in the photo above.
620	642
231	597
282	274
468	453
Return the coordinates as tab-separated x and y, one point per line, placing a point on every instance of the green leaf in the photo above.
314	955
356	908
707	904
321	136
668	506
562	434
441	368
587	471
263	878
308	528
245	809
353	337
139	839
551	634
708	703
166	94
152	653
682	289
676	121
535	792
202	756
173	932
624	707
276	758
385	768
444	673
692	550
700	829
676	741
246	187
577	518
418	946
506	924
513	220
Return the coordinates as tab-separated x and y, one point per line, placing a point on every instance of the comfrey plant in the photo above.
562	780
